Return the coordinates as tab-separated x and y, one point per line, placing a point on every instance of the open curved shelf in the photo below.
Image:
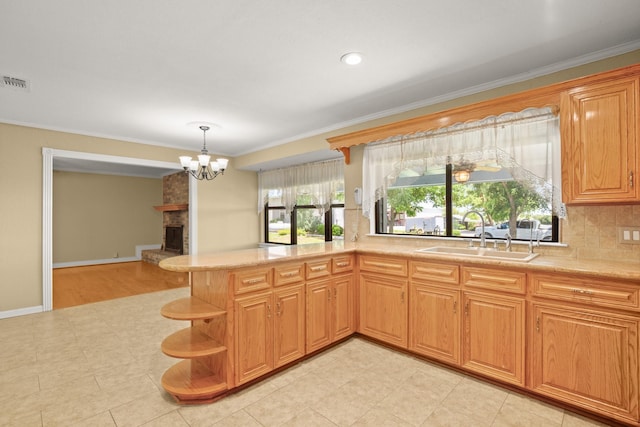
189	343
191	380
190	308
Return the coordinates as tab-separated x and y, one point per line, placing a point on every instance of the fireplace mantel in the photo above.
172	208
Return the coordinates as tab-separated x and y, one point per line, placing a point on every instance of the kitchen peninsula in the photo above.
558	328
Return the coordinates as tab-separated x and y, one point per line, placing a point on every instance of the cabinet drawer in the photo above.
318	268
250	280
435	272
288	274
384	265
494	279
342	264
585	290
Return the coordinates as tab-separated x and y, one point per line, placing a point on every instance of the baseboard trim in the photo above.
21	312
94	262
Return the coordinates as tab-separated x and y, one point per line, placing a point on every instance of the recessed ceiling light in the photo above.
351	58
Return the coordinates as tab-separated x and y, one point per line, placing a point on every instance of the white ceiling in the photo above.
268	72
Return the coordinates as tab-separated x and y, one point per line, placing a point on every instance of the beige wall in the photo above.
21	205
230	205
98	217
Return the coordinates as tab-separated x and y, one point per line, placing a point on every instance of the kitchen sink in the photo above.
480	253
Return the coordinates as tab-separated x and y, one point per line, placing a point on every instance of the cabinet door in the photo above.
586	358
599	142
254	336
434	322
494	336
383	308
343	306
288	324
318	314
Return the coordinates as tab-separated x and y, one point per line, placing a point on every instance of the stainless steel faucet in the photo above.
483	242
507	246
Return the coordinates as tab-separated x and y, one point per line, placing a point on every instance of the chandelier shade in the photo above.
203	168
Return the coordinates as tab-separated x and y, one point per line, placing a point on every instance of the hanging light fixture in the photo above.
203	169
462	171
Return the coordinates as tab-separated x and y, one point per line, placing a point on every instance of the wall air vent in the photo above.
15	83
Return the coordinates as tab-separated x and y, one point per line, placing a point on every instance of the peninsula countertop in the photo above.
274	254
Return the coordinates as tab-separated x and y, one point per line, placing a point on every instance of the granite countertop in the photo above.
272	254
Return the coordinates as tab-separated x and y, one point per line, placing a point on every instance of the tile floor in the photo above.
100	365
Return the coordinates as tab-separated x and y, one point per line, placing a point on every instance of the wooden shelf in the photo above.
191	380
190	343
174	207
190	308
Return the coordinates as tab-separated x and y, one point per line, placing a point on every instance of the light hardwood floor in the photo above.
87	284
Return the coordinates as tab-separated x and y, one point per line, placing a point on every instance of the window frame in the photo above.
328	219
381	211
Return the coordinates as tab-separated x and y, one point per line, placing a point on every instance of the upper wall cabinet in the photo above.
600	142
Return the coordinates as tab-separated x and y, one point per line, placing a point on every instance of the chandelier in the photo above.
203	168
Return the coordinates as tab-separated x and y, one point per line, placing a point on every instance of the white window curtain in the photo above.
524	143
322	181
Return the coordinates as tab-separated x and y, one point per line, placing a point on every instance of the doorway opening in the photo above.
53	158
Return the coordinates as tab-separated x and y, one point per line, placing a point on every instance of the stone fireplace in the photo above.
175	219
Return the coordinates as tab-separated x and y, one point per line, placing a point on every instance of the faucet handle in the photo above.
470	243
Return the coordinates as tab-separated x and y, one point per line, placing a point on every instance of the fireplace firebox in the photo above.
173	241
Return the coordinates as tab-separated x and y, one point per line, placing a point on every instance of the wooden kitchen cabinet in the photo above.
587	358
289	324
494	323
254	336
494	336
269	331
383	308
583	338
434	310
343	316
330	302
434	328
318	314
599	130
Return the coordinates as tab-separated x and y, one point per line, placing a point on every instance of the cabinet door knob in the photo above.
269	311
537	323
631	179
455	307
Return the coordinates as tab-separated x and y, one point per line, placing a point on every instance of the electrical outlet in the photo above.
629	235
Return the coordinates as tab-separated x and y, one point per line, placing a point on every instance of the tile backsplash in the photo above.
591	232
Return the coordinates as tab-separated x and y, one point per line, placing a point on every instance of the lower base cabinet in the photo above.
587	358
269	331
494	336
434	322
581	338
254	336
383	308
330	311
